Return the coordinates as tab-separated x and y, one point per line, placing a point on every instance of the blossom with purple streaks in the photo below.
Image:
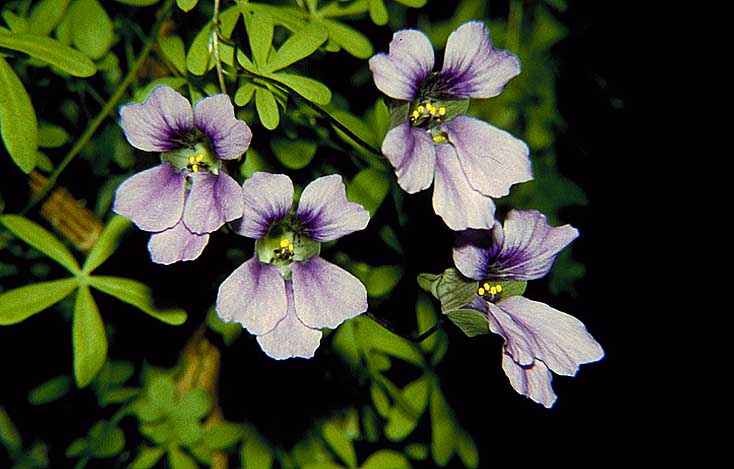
538	339
286	293
189	195
468	161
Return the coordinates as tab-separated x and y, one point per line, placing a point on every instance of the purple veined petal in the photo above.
153	199
253	295
176	244
529	246
229	136
326	295
290	338
213	201
409	61
454	200
326	214
410	151
492	159
158	123
533	330
268	198
473	252
533	381
472	67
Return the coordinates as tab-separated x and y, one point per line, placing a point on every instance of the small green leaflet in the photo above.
92	31
50	51
18	124
19	304
137	294
88	337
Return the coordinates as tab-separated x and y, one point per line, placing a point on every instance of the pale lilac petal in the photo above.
472	252
213	201
153	199
454	200
176	244
410	151
268	198
409	61
159	123
533	330
326	295
533	381
290	338
326	214
492	159
253	295
229	136
529	246
472	67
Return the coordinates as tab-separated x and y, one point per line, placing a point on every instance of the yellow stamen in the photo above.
191	160
416	114
499	288
199	157
284	243
486	286
421	109
481	291
493	290
195	168
442	111
439	138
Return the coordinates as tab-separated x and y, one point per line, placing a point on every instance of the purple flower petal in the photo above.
176	244
326	295
472	67
159	122
473	252
325	212
253	295
410	151
492	159
535	331
454	200
533	381
409	61
213	201
268	198
230	137
153	199
290	338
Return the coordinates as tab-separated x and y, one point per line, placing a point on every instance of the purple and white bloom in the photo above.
190	194
467	160
286	292
538	339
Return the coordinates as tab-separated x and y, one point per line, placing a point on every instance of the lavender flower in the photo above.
468	160
188	195
538	338
286	292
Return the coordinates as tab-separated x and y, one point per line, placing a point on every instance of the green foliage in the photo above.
51	51
18	123
89	338
52	390
92	31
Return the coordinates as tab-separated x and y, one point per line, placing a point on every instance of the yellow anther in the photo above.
284	243
442	111
481	291
421	109
416	114
499	288
199	157
493	290
191	160
486	286
195	168
439	138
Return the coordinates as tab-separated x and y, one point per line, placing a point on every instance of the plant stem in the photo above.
416	339
214	38
514	25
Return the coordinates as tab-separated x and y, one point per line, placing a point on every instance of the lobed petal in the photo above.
472	67
492	159
533	381
325	213
158	123
253	295
454	200
267	199
229	136
473	252
410	151
290	338
153	199
213	201
409	61
326	295
176	244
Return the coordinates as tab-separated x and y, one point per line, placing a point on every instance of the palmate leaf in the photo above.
401	423
50	51
309	88
137	294
299	46
39	238
340	442
259	27
351	40
19	304
199	58
18	124
106	244
89	339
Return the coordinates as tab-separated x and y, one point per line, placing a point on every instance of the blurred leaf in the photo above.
244	94
260	34
45	15
467	450
299	46
427	318
160	433
470	321
52	390
401	422
293	154
383	279
51	136
9	435
39	238
146	410
76	448
386	459
141	93
105	440
370	424
372	336
565	273
173	48
345	344
443	427
229	331
199	58
380	400
19	304
417	451
388	235
378	12
547	30
309	88
147	457
256	454
180	460
187	432
186	5
139	295
369	188
50	51
194	404
106	244
267	108
351	40
17	24
341	444
222	435
161	390
18	124
253	163
92	31
89	338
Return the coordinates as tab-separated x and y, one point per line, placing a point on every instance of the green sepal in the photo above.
451	288
470	321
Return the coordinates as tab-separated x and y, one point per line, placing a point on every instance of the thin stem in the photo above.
514	25
215	44
416	339
164	12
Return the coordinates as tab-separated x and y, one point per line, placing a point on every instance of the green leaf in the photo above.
370	424
51	136
229	331
401	422
309	88
161	390
76	448
417	451
18	124
139	295
293	154
194	404
470	321
259	27
467	450
354	42
180	460
186	5
52	390
9	435
426	317
443	427
18	24
256	454
39	238
19	304
300	45
244	94
199	58
267	108
372	336
380	400
89	339
105	440
369	188
45	15
383	279
160	433
50	51
222	435
92	31
148	457
378	12
106	244
342	445
187	432
386	459
454	290
388	235
173	48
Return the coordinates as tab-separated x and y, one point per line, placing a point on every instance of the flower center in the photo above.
196	158
489	292
282	246
285	251
426	114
